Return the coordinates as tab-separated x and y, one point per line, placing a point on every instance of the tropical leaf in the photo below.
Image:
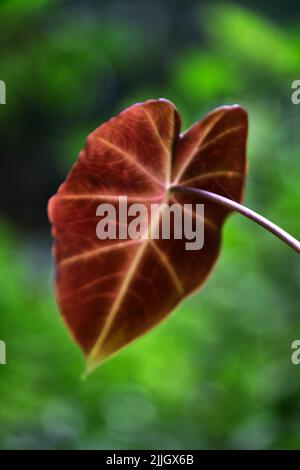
112	291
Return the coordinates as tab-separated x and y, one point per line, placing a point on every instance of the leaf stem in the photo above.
250	214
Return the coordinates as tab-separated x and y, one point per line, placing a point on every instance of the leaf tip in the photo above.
92	362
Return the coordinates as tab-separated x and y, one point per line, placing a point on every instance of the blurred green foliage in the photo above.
217	373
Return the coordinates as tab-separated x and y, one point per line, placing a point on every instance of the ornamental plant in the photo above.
110	292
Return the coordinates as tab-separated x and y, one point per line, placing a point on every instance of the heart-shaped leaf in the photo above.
112	291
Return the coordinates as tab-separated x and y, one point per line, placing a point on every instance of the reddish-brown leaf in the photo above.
112	291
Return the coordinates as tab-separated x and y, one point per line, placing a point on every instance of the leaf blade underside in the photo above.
112	291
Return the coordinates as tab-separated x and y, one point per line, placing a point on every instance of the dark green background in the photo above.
218	373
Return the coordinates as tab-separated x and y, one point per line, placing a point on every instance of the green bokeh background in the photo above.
218	372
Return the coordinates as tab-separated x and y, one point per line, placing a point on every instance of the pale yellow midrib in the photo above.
121	294
114	310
